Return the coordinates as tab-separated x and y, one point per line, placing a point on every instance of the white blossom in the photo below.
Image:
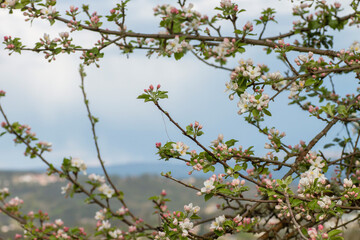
99	215
105	189
317	163
215	225
79	163
324	202
66	190
231	86
303	58
4	190
176	46
48	11
191	210
9	3
222	48
209	185
104	225
116	233
348	183
355	47
248	101
180	147
308	178
97	178
225	3
252	72
185	226
243	104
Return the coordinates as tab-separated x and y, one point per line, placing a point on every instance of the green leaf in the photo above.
237	168
195	217
208	196
231	142
342	110
296	202
154	198
179	55
334	232
266	112
288	180
329	145
237	31
145	96
333	23
162	94
95	119
309	82
209	168
225	191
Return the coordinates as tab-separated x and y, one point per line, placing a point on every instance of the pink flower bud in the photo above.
18	236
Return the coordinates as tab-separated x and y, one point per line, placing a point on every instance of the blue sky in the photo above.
47	96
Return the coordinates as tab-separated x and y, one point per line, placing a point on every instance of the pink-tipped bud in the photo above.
18	236
158	144
163	192
158	86
151	87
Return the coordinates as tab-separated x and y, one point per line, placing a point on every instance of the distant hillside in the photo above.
40	192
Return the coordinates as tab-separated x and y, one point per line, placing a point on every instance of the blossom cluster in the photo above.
223	50
355	47
105	228
180	148
179	222
8	3
248	102
177	46
313	174
79	164
180	17
275	137
238	223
